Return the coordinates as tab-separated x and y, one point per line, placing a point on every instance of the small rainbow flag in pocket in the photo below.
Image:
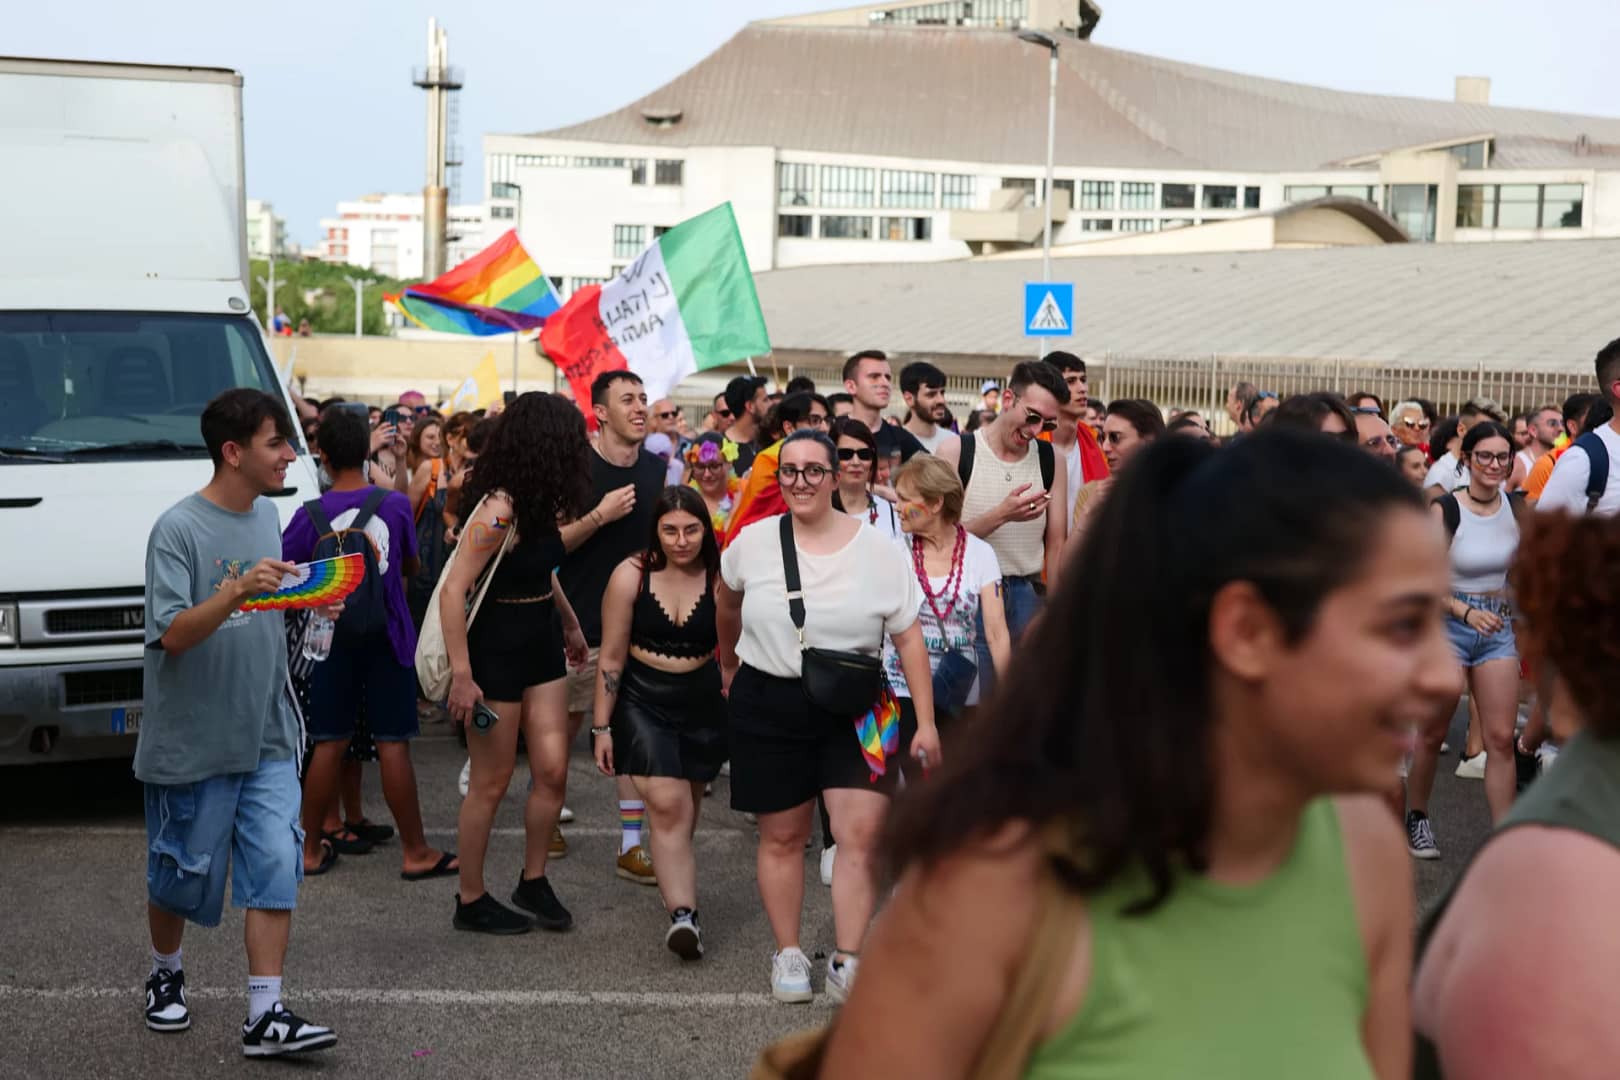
313	584
879	732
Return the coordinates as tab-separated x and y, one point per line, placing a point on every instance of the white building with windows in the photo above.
266	233
917	131
384	234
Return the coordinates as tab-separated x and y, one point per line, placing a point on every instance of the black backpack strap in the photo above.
790	576
368	509
1597	478
1519	505
318	518
1451	514
1048	455
964	463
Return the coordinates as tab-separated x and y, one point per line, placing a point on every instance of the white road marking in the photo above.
645	999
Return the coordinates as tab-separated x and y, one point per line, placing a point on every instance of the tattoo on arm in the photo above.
610	681
485	537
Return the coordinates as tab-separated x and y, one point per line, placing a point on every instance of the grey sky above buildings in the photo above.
331	113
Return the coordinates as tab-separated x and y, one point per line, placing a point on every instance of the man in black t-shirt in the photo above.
870	382
626	481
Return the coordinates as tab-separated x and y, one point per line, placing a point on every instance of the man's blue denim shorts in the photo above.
246	823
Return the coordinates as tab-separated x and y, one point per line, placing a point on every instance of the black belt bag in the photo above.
840	682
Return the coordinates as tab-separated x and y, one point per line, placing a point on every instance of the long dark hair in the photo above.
1117	747
1305	412
847	427
686	499
537	454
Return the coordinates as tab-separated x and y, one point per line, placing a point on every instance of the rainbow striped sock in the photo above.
631	814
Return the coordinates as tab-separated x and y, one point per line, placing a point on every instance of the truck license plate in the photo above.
126	721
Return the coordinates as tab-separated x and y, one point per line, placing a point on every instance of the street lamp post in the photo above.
359	285
1047	41
269	296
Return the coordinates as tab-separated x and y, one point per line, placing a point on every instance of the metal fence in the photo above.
1202	382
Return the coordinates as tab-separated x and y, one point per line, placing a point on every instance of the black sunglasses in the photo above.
724	414
670	415
423	410
846	454
1033	417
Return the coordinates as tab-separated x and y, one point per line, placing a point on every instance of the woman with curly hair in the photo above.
1486	1004
507	671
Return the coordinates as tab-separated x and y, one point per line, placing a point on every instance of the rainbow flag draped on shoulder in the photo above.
497	291
760	496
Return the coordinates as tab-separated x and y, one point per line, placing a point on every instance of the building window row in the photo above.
1295	193
854	227
627	241
993	13
857	186
503	213
1520	206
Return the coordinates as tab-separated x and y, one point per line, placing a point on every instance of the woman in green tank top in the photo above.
1516	970
1190	741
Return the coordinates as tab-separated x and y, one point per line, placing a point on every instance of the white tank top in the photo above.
1020	546
1483	548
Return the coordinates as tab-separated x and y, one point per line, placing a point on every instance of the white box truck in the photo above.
123	310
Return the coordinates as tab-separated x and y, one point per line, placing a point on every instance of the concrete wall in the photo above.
378	369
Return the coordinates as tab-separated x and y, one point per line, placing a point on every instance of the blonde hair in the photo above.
932	478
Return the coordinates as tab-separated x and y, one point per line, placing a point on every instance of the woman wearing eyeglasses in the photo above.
855	588
711	474
1132	423
1483	522
857	464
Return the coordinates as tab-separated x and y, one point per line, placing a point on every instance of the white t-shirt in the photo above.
1483	548
1566	488
881	515
1076	477
1443	473
939	438
852	597
979	571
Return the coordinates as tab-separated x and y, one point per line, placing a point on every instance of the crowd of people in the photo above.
1123	704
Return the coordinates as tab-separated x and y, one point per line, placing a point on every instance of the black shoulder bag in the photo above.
843	683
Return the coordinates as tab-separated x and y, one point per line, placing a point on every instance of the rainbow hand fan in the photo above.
879	732
313	584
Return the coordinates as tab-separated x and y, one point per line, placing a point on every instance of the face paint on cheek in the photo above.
914	513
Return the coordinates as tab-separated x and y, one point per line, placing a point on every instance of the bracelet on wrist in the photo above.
601	731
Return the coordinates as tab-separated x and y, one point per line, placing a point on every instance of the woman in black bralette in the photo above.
658	681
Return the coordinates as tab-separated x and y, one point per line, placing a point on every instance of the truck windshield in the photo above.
97	385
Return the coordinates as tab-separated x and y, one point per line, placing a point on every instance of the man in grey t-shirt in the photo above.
219	743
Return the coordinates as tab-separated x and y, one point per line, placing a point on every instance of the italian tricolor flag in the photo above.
685	304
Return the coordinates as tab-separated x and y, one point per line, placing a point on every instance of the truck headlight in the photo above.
8	624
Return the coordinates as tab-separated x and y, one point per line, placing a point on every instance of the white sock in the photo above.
632	812
263	992
164	962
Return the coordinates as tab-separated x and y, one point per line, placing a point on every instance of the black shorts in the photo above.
785	751
668	724
512	647
362	680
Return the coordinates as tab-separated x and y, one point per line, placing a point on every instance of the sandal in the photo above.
366	830
350	844
442	868
329	858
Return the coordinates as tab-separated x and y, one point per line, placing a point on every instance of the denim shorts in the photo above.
1474	648
246	823
363	679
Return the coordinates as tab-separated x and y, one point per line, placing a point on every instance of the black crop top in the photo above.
525	570
652	630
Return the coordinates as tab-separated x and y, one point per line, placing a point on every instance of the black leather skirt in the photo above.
669	725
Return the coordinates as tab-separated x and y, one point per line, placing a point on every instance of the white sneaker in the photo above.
1472	768
466	777
725	767
827	857
840	977
566	816
790	976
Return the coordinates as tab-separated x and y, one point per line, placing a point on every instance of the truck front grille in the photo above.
115	686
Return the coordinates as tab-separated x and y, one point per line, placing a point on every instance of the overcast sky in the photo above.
331	113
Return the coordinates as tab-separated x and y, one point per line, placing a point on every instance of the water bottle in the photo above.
318	638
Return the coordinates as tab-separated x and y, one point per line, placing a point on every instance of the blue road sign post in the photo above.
1048	309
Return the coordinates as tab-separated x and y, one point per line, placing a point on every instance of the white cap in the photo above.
990	386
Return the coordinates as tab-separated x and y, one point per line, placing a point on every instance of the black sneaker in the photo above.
487	915
280	1032
683	938
535	896
166	1001
1420	836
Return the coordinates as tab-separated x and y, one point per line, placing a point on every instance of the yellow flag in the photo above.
479	390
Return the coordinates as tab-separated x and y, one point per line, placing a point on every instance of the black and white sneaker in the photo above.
683	938
166	1001
1420	836
280	1032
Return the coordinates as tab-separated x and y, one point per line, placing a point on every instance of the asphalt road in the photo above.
376	958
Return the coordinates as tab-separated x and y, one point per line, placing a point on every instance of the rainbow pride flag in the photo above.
879	733
497	291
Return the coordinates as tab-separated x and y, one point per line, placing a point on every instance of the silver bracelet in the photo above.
601	731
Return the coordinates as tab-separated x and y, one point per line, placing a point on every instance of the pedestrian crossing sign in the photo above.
1048	308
